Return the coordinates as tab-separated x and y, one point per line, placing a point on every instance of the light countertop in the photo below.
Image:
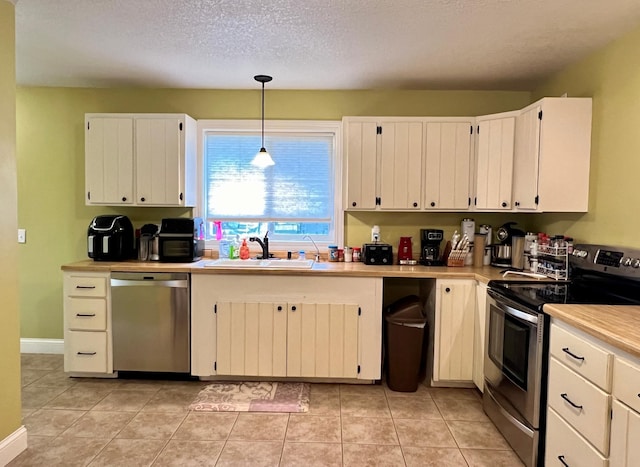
618	326
482	273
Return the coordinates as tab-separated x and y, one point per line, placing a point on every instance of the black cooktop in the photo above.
594	280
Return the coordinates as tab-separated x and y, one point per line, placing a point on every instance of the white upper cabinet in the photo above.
140	159
109	160
448	164
494	169
552	156
383	163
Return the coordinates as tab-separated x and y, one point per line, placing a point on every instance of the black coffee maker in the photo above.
430	247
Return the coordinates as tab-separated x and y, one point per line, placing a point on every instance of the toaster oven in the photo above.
181	240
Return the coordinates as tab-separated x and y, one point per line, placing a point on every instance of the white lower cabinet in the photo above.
594	401
480	324
87	323
286	326
454	330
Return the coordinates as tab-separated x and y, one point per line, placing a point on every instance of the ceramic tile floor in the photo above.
99	422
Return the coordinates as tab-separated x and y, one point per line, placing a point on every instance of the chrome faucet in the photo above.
317	258
264	244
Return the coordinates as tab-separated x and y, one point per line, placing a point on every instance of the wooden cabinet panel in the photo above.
525	159
401	165
565	446
82	285
625	433
361	155
626	383
583	405
447	168
585	358
86	314
109	160
480	323
454	330
85	352
494	169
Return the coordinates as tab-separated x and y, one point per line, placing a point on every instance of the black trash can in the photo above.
406	324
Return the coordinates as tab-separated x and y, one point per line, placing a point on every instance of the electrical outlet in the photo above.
375	234
22	236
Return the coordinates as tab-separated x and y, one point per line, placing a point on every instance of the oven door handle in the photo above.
518	424
521	315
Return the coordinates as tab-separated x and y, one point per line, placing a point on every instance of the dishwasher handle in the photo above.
179	284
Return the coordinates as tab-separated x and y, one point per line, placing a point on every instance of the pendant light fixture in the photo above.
263	158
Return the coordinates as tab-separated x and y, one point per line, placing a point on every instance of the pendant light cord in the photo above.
262	114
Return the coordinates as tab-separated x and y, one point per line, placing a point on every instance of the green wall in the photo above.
51	166
612	77
10	413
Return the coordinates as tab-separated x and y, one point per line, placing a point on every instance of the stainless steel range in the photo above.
517	350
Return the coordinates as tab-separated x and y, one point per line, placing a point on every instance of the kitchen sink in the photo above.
259	264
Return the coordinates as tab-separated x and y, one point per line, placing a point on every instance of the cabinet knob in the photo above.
293	308
279	308
433	203
447	290
354	204
415	205
504	204
142	199
124	198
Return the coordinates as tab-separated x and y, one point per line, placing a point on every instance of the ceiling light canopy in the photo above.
263	158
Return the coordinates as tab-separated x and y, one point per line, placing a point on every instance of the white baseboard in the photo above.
13	445
28	345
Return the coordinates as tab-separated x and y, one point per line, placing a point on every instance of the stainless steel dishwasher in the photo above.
151	322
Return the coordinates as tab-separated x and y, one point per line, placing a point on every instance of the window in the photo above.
298	196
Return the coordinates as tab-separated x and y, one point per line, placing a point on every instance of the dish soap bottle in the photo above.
244	250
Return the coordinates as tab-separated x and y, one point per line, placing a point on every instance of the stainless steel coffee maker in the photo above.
502	250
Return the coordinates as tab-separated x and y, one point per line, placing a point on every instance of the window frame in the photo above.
274	127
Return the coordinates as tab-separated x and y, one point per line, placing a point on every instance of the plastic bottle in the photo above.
244	249
302	256
234	248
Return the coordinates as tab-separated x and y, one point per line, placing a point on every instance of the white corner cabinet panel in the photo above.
140	159
286	326
494	161
383	163
87	324
552	156
448	163
453	331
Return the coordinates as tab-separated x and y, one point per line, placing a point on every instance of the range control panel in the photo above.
602	258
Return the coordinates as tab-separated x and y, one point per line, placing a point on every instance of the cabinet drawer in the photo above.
86	286
85	352
564	444
585	358
86	314
589	413
626	383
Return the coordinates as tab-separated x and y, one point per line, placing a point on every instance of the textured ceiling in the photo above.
310	44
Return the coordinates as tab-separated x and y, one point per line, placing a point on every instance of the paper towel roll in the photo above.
479	242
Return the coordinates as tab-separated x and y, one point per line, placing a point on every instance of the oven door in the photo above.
514	358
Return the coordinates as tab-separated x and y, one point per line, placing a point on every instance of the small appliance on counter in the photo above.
377	254
181	240
501	253
148	243
110	238
430	240
405	251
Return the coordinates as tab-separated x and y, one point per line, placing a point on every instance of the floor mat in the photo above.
253	397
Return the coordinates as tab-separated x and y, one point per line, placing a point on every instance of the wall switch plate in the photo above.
22	236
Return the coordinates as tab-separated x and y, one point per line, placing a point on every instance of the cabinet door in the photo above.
495	163
400	165
454	330
625	433
525	160
159	162
447	167
322	340
109	160
251	339
361	148
480	317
